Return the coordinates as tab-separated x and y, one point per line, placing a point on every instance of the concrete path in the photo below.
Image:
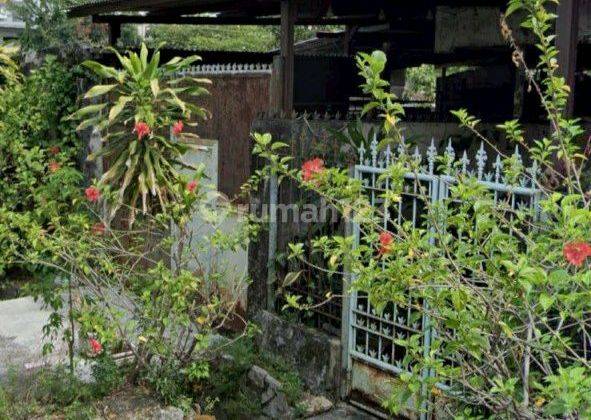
21	336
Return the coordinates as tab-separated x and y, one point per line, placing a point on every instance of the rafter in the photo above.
232	20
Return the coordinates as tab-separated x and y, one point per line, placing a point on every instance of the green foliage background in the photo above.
224	38
229	38
32	122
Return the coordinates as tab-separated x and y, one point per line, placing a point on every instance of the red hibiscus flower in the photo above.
54	167
92	194
311	168
54	150
95	346
98	229
192	186
577	252
178	128
142	129
386	240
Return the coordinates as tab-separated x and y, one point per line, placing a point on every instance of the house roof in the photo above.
264	8
255	8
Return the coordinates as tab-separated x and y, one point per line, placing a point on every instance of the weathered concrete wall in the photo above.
21	336
232	263
316	356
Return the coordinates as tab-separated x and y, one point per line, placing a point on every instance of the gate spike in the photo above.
431	156
451	156
417	156
388	155
374	151
498	165
481	158
465	162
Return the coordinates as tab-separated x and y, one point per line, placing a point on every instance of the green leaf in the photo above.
88	123
99	90
291	278
90	109
101	70
368	107
155	86
118	107
546	301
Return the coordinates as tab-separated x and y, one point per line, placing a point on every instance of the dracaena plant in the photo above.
141	116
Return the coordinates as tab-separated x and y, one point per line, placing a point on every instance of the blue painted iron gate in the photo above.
371	356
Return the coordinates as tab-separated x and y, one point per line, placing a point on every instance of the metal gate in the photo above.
371	355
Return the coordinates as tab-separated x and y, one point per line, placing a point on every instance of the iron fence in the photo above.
373	334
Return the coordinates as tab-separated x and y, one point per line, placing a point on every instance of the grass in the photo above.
56	392
44	393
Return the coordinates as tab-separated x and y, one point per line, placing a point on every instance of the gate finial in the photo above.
417	156
388	155
361	153
431	156
374	150
518	155
498	165
402	146
465	162
450	153
481	158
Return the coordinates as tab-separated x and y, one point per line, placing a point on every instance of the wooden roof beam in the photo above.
110	6
259	8
232	20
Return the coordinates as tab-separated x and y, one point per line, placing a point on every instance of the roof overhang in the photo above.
152	6
246	12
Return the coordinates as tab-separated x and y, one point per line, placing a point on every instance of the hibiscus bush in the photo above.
505	290
156	287
159	291
140	109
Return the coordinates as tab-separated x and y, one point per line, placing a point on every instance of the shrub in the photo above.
38	152
154	288
48	28
108	376
506	292
8	68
